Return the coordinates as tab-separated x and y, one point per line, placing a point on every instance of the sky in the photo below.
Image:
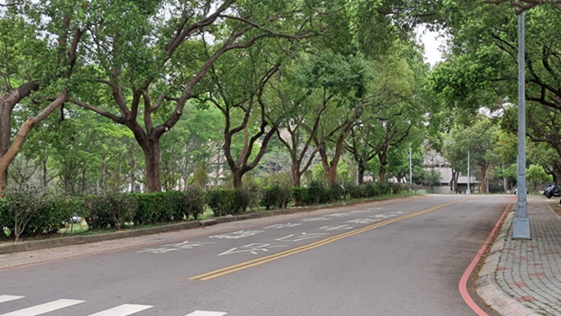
433	42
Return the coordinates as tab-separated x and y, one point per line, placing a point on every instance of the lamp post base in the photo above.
521	228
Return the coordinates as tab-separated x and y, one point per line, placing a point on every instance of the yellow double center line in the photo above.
282	254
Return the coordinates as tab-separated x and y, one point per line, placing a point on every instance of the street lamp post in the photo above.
410	169
521	224
468	191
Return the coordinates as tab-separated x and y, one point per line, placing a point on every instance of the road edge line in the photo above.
465	277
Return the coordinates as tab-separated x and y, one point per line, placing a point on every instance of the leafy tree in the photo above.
480	139
31	66
536	175
145	59
341	88
243	98
524	5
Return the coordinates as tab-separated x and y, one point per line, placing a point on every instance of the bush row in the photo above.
25	212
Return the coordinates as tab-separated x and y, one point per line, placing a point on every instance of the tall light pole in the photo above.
468	191
410	169
521	225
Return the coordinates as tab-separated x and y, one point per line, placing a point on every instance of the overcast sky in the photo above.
433	43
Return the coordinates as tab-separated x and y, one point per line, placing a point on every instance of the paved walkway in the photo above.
523	277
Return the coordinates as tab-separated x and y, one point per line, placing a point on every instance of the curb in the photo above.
78	240
487	287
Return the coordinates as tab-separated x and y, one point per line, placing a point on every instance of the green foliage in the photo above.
19	207
114	210
300	195
168	206
276	196
55	214
356	191
193	202
227	201
147	211
536	175
318	193
336	192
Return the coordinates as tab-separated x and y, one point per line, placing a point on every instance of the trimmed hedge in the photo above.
39	215
276	196
168	206
110	211
227	201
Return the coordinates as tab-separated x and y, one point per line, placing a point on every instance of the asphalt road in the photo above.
401	257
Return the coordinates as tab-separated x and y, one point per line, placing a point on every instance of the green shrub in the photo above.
226	201
20	206
146	211
54	214
112	210
356	191
276	196
191	203
372	189
300	195
318	193
336	192
166	205
6	223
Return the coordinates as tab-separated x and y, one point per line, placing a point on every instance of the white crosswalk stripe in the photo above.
7	298
123	310
204	313
44	308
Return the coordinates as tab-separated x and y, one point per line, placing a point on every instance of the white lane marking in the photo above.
123	310
7	298
205	313
44	308
251	248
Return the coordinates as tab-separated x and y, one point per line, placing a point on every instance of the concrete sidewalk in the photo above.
523	277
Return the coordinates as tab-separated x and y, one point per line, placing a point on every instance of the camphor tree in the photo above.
141	61
34	75
239	86
480	139
482	69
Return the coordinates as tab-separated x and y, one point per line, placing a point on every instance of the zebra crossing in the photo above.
121	310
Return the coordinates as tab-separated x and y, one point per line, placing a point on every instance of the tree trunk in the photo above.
383	158
482	179
556	174
332	174
454	181
237	178
133	168
361	173
151	149
382	174
295	174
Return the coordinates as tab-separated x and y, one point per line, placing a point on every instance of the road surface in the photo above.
400	257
